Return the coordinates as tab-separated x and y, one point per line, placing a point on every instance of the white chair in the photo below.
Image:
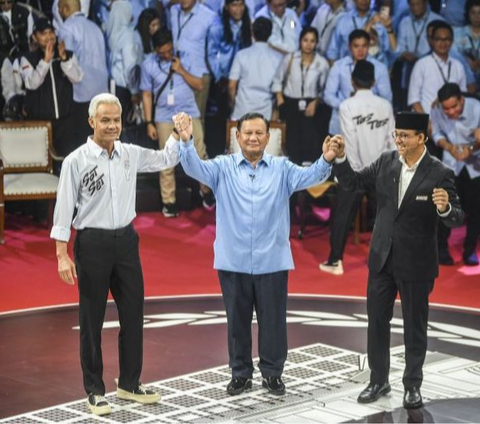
26	171
275	146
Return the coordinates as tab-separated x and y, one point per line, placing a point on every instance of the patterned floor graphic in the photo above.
322	385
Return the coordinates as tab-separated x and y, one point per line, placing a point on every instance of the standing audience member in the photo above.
431	72
467	38
414	192
168	87
190	23
325	21
252	249
98	183
252	73
339	81
456	129
298	85
367	124
285	26
16	26
86	40
454	12
125	56
149	22
48	74
357	18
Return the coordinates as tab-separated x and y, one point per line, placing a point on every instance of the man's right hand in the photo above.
184	125
66	269
152	131
48	52
333	147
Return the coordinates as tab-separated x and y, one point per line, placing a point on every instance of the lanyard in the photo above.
419	33
304	74
274	21
445	80
165	72
366	21
180	27
475	48
329	21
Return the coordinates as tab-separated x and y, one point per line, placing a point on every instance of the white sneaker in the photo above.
141	395
335	268
98	405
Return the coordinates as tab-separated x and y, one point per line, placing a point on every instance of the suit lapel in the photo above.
396	169
420	174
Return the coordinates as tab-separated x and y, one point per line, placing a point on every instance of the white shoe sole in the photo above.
330	269
99	410
145	399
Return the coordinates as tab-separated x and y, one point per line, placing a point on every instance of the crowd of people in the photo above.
288	60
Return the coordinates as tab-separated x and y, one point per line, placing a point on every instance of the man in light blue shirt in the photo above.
86	40
252	249
252	73
339	82
454	12
285	26
358	18
190	22
456	129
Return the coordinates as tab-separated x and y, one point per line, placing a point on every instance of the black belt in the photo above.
119	232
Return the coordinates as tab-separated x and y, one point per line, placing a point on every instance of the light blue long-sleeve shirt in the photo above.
86	40
339	86
454	12
338	46
190	31
458	132
253	213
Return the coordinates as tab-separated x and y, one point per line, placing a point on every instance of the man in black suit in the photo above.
414	192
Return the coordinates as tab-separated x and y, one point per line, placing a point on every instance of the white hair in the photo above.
102	98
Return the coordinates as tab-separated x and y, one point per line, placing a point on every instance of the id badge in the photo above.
302	105
170	99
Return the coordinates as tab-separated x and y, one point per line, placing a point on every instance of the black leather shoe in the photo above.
373	392
444	258
238	385
274	385
412	398
470	260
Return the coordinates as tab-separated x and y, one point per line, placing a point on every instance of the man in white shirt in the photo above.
431	72
325	20
98	180
367	124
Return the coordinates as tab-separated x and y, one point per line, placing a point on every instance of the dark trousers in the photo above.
468	190
109	260
381	293
267	293
343	215
304	134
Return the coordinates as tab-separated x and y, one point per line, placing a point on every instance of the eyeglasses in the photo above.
402	136
442	39
6	1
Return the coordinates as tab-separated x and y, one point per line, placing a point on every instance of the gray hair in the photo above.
102	98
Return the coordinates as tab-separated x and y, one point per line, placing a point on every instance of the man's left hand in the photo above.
184	125
440	199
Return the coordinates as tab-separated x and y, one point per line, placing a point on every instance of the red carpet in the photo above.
177	257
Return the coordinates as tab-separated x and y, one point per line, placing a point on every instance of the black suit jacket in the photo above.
411	230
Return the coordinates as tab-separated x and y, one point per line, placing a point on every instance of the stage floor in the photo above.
185	357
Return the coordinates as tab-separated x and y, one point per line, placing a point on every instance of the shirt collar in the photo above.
97	151
74	14
239	158
415	165
193	11
439	59
363	92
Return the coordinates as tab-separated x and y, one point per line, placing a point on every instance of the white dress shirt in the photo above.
325	21
102	188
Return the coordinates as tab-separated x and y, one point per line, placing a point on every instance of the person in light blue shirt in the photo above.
454	12
456	129
86	40
286	26
190	22
125	55
168	87
339	82
252	248
358	18
252	73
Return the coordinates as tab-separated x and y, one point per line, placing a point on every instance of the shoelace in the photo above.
99	399
142	389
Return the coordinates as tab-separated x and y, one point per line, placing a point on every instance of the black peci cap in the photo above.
412	121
